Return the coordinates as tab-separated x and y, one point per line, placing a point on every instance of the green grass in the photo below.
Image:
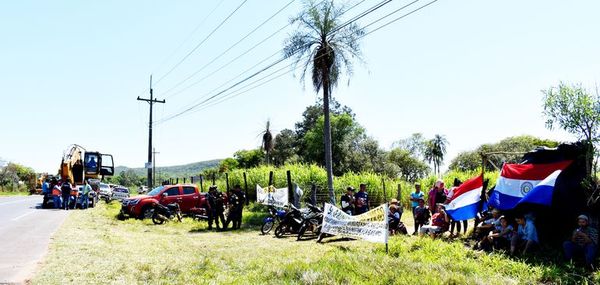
93	247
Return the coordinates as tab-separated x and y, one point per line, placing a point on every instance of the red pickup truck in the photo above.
187	196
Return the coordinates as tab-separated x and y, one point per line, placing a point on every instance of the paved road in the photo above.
25	232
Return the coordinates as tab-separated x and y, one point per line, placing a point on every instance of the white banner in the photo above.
371	226
271	196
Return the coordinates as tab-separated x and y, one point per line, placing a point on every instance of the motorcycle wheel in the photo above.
301	231
267	227
280	230
157	220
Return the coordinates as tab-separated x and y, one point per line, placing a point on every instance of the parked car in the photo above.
142	189
120	193
105	191
187	196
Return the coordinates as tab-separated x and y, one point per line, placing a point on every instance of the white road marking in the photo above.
26	214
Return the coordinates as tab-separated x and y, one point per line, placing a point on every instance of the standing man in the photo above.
361	200
414	199
85	196
46	192
56	196
237	200
215	202
347	201
584	240
65	188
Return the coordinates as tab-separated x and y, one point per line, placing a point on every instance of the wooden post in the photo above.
192	179
227	182
246	188
201	183
184	180
290	191
384	194
313	194
213	179
399	194
177	181
270	178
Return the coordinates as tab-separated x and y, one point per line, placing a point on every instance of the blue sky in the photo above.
70	72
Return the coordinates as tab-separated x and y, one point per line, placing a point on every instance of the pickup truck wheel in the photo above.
147	212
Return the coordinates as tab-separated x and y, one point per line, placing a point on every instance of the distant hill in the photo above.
176	170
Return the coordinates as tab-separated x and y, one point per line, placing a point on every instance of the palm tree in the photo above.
327	46
435	150
267	141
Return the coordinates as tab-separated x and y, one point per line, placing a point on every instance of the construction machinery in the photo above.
79	165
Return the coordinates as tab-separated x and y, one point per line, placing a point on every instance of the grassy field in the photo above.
93	247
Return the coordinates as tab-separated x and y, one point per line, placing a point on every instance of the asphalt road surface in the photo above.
25	231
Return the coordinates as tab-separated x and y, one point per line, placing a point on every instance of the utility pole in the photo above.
154	152
150	101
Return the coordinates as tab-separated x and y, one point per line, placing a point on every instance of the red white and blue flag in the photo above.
465	201
526	183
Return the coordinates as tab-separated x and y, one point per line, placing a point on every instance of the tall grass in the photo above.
306	175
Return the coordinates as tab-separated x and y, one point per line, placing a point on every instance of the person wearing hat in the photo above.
347	201
393	218
584	240
237	200
394	202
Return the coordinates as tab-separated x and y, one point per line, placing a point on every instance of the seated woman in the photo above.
439	223
526	237
393	219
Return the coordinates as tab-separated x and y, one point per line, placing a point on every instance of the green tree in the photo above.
344	131
435	150
409	167
249	158
228	164
577	111
415	145
284	149
510	149
128	178
330	45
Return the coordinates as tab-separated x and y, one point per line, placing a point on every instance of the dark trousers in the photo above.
235	216
66	201
457	223
588	251
215	215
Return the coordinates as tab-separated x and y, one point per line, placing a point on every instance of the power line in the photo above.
230	48
201	42
241	55
190	35
207	101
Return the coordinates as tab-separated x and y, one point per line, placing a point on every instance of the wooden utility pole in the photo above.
150	101
154	152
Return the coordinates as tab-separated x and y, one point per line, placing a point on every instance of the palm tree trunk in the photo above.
327	138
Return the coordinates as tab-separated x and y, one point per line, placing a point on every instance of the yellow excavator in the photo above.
79	165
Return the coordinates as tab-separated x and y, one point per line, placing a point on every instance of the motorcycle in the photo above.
275	216
291	222
166	213
312	221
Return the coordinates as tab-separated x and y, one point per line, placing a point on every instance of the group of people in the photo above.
62	193
493	230
355	203
218	202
